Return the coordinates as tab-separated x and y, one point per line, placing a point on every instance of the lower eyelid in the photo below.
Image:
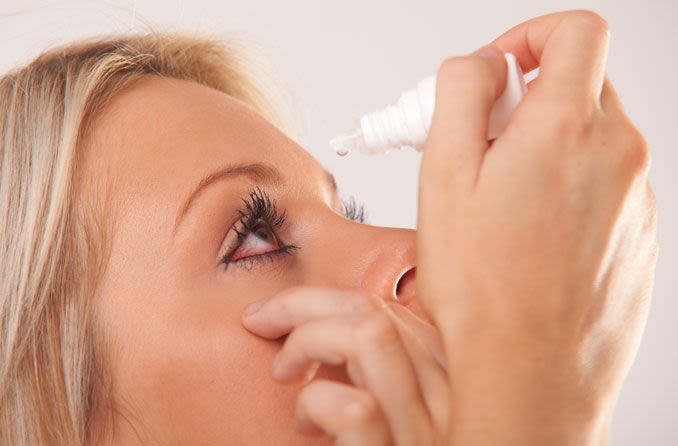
248	263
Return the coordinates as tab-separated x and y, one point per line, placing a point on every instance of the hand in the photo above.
536	253
393	358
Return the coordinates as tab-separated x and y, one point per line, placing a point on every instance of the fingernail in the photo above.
487	51
254	307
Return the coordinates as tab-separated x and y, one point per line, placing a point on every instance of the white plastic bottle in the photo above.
406	123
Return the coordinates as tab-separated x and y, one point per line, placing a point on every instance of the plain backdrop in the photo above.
343	58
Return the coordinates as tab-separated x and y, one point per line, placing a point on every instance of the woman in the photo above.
163	239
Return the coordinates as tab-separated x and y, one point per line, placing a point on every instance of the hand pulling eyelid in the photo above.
406	123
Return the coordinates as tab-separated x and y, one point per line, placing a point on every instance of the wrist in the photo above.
516	426
509	404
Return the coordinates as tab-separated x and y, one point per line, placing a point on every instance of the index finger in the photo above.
296	306
570	49
279	314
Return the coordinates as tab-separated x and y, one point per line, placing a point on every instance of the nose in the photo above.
374	259
406	290
385	257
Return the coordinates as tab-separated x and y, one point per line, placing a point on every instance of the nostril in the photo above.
405	288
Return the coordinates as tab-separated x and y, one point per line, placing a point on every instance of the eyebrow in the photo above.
259	172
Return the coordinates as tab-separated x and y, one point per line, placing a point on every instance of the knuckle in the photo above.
637	152
590	18
464	72
294	342
362	409
309	393
643	158
578	112
642	153
376	330
361	302
566	119
299	339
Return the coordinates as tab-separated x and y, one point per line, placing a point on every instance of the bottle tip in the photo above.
345	143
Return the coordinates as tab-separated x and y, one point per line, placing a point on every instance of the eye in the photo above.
258	240
258	237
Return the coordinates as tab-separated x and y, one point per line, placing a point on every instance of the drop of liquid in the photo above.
342	151
338	146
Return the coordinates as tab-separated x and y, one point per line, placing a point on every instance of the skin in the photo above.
546	238
536	256
184	369
536	252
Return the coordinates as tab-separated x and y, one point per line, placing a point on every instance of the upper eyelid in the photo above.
258	200
255	204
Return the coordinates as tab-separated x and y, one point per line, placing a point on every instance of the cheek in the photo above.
201	378
220	380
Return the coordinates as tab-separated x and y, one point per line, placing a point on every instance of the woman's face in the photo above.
178	159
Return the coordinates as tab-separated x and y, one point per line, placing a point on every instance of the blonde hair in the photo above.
52	249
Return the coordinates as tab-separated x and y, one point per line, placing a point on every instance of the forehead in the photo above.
162	134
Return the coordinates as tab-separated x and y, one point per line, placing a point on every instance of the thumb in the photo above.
466	89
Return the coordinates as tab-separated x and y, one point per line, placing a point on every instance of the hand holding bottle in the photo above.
536	253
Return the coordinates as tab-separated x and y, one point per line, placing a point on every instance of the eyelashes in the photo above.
260	206
260	212
354	211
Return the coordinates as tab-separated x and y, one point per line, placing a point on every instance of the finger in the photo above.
426	333
349	414
466	89
429	370
375	357
285	311
570	49
294	306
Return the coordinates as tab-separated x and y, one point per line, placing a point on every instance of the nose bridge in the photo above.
370	258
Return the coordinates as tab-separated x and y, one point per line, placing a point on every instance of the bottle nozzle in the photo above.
343	144
407	122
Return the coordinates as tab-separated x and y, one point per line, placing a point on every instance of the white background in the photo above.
344	58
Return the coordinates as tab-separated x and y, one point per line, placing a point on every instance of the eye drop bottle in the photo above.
406	123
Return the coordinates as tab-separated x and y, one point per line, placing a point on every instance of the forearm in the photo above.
495	428
512	402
